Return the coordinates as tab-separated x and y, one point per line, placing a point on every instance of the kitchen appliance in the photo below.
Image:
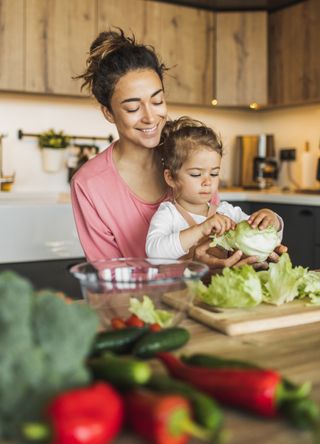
255	165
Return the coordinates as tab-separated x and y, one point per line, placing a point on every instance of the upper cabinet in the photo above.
294	62
12	56
58	35
241	63
183	37
236	58
187	46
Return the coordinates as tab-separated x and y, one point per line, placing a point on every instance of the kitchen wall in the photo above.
33	114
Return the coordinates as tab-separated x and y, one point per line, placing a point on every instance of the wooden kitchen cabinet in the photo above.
58	35
182	36
294	68
241	64
12	56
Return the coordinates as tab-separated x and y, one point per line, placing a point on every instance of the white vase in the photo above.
52	159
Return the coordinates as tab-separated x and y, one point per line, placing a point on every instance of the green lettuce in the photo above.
147	312
236	287
281	282
310	286
251	241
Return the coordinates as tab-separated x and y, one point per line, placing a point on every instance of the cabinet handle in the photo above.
306	213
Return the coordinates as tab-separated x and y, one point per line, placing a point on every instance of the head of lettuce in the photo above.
251	241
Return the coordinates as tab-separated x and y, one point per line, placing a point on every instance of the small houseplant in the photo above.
52	144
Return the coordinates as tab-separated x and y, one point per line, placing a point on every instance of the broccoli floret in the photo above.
44	342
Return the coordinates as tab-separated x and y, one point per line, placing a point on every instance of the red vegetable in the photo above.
88	415
155	327
161	419
118	323
254	389
134	321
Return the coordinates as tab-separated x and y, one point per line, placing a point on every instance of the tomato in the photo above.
134	321
155	327
118	323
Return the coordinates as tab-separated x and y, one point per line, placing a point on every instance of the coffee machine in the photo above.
254	161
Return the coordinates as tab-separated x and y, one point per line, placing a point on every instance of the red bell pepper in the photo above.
254	389
88	415
161	419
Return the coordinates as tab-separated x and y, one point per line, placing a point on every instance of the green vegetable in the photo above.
236	287
123	372
164	340
147	312
210	361
117	341
280	283
206	411
310	286
43	345
251	241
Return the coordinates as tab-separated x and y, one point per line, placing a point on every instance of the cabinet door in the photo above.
58	36
182	37
11	45
187	46
299	231
241	77
294	69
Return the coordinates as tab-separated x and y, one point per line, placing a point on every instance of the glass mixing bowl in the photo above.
158	287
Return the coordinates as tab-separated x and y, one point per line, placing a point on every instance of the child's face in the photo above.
198	178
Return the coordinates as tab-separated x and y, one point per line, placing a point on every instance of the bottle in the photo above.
307	168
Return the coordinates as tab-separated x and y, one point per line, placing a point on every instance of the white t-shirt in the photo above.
163	238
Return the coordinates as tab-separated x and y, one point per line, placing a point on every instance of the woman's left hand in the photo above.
278	251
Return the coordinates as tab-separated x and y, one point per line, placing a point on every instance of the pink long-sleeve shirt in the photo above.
111	220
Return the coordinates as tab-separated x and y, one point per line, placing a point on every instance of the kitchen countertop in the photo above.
292	351
274	195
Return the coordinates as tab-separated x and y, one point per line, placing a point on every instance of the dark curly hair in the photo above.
181	137
112	55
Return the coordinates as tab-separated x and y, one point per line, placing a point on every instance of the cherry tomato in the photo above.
118	323
134	321
155	327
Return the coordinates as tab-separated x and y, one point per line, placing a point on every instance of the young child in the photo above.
191	154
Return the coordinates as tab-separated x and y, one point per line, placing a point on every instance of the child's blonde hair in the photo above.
183	136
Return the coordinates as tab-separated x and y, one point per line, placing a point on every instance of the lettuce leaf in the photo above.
236	287
251	241
310	286
147	312
280	283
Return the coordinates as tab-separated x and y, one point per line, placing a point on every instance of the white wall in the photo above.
33	114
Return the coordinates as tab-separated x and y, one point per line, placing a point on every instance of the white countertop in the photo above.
272	196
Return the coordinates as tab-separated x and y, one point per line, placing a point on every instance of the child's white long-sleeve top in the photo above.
163	238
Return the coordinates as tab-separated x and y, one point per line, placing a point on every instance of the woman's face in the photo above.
139	109
198	178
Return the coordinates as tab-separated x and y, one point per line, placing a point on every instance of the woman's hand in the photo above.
278	251
217	258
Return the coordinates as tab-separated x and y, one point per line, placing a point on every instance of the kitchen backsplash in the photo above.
292	127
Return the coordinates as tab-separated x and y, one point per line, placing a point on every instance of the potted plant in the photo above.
52	145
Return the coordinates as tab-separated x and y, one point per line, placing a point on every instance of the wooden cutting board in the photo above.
239	321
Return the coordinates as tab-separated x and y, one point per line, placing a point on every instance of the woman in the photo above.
115	194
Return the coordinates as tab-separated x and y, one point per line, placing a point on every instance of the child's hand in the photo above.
263	218
218	224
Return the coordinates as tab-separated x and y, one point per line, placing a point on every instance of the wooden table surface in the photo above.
294	351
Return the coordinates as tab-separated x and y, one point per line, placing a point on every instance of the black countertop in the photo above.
53	274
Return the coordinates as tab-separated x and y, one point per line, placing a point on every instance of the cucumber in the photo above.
165	340
123	372
117	341
211	361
